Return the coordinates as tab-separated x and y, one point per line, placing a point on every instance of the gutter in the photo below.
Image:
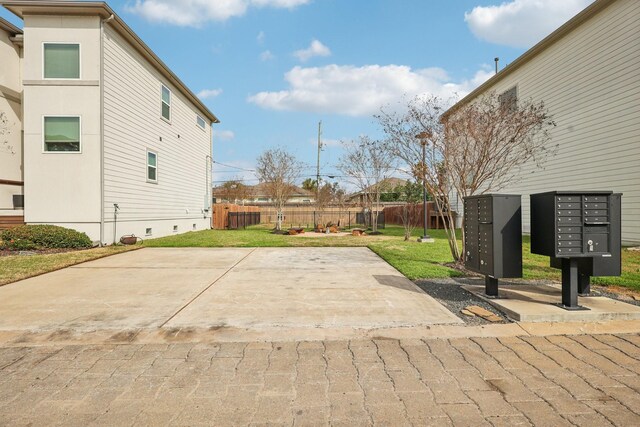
102	24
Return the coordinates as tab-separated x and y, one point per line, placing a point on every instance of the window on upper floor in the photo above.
61	134
61	61
200	121
152	166
166	103
509	99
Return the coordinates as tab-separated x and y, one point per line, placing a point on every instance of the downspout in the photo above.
102	22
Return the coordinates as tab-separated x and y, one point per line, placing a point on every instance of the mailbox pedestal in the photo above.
493	237
581	232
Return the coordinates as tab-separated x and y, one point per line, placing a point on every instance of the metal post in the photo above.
424	138
424	190
491	286
584	284
570	284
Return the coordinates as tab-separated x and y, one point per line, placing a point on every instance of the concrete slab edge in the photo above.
223	334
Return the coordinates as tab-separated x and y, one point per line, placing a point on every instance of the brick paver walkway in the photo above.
552	381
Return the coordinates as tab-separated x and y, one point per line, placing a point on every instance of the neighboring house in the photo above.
388	185
587	72
106	123
257	195
11	178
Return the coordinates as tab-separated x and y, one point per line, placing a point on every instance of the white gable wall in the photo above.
590	82
133	124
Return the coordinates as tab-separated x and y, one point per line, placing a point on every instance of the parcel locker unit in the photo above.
581	232
493	237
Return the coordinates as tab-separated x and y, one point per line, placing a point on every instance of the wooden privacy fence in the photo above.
221	218
306	216
393	215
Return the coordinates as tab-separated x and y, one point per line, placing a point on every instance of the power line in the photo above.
233	167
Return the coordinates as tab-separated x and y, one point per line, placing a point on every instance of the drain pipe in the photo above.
116	208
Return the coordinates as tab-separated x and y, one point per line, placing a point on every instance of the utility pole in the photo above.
318	165
319	149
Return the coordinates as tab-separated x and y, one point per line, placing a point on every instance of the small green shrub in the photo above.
27	237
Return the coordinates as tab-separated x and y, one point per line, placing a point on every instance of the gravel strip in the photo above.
451	294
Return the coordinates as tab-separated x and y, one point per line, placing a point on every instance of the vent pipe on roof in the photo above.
496	59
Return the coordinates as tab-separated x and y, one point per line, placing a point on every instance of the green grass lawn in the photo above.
18	267
414	260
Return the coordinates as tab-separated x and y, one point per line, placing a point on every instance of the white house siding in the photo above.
62	188
11	137
133	124
590	82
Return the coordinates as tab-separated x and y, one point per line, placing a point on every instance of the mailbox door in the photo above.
471	234
485	232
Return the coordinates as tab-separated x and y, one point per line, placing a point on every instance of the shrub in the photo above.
27	237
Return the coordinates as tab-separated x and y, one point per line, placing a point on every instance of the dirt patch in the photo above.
6	252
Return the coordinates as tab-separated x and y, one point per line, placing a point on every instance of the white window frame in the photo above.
146	169
163	86
79	62
44	145
204	122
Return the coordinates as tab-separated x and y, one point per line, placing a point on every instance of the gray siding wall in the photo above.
590	81
133	124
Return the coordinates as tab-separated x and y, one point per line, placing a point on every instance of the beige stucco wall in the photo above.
590	82
132	125
11	130
62	188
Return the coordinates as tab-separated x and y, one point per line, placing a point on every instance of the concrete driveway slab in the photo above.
313	288
212	287
113	293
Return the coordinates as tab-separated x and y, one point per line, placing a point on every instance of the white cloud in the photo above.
521	23
316	48
223	135
209	93
260	37
267	56
360	91
194	13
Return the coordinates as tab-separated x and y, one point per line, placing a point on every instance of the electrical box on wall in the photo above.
493	237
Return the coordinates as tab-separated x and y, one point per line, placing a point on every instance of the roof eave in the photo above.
21	8
9	27
563	30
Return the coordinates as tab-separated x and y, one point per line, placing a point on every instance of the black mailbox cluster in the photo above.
581	232
493	237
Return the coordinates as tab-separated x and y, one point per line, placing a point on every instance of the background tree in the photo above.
477	148
324	197
411	194
367	164
278	170
310	184
234	191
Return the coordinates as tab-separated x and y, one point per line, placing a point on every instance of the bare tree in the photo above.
233	191
278	170
411	194
324	197
367	164
476	148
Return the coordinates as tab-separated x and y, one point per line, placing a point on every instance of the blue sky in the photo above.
271	69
